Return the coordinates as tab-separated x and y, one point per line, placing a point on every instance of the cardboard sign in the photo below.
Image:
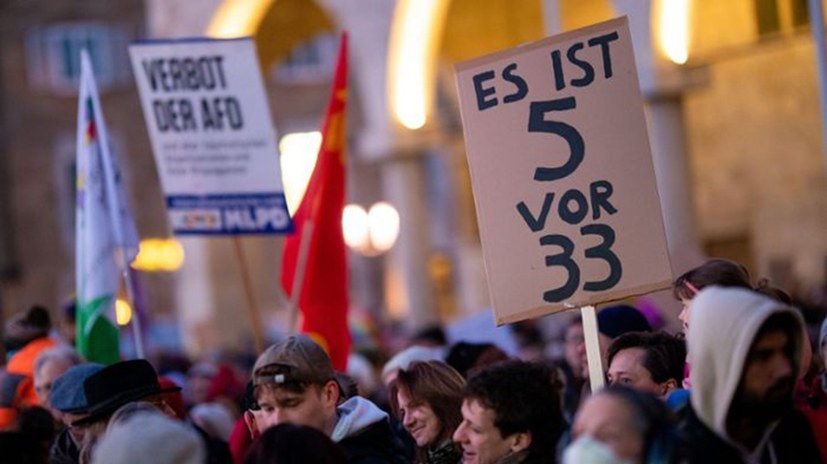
215	146
562	173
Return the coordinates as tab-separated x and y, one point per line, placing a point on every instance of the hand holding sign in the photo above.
562	173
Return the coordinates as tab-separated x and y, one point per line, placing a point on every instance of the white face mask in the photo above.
587	450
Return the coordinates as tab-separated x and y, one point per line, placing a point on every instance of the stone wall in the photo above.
39	150
756	156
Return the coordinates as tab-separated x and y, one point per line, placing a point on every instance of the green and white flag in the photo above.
106	240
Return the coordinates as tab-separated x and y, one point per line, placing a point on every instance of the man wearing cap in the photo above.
121	383
294	382
69	400
745	352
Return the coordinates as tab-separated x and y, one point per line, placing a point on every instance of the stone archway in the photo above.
278	26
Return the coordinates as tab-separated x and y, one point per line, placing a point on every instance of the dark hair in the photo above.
23	448
721	272
294	444
525	398
465	357
614	321
432	334
763	287
38	423
784	322
248	400
653	420
664	354
436	384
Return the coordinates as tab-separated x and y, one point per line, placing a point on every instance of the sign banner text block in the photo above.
208	118
562	173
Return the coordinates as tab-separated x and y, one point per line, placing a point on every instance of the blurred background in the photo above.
732	99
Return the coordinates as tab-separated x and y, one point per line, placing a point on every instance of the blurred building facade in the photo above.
735	133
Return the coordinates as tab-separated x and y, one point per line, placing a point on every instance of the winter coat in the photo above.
364	433
725	323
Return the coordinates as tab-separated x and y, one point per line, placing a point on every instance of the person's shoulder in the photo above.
793	438
700	444
375	444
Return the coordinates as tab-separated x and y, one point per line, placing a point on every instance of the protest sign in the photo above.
562	173
208	118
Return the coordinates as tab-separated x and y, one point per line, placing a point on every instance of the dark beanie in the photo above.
615	321
465	356
27	326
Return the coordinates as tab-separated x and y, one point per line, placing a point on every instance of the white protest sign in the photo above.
212	134
562	173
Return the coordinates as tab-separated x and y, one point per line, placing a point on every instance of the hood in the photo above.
723	324
355	415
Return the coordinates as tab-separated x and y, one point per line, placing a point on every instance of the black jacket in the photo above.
375	444
64	450
792	441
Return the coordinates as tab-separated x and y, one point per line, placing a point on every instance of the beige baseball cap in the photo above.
297	360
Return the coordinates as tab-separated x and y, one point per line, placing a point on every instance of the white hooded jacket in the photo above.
723	325
355	415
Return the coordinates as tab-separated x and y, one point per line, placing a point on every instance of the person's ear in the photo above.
250	420
331	393
521	441
668	386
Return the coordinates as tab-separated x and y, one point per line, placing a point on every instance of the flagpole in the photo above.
135	322
817	27
255	320
298	279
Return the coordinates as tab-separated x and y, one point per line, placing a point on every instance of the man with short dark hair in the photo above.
511	413
645	361
745	350
295	383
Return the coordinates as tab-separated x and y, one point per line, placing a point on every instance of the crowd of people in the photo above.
744	382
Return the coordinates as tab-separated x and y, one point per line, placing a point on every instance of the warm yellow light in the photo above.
123	312
238	18
299	151
370	233
673	29
355	227
159	254
415	34
383	222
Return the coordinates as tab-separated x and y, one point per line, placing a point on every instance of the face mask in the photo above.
588	450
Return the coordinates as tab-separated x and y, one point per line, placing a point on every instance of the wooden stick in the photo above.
592	347
255	320
298	277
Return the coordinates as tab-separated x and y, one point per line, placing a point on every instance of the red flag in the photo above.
323	296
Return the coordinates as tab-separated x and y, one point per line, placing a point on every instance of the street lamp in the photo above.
159	255
372	232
